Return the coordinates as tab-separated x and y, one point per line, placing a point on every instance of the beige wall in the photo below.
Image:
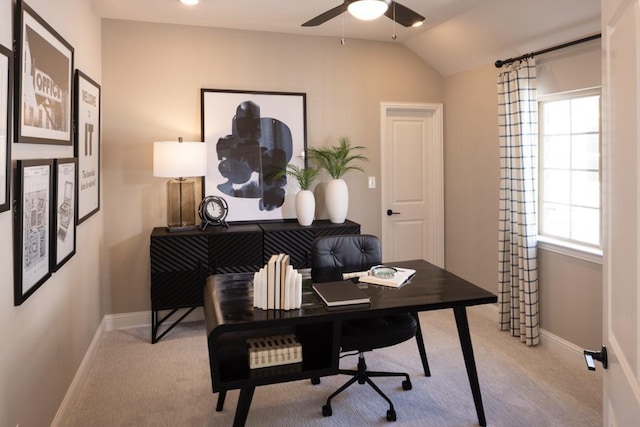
45	339
153	74
570	288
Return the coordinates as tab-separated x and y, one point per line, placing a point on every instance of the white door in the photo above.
621	143
412	182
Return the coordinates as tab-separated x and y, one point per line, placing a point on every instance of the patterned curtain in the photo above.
517	266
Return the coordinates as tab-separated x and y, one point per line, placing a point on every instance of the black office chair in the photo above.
330	257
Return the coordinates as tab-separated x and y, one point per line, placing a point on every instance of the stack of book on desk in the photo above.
273	351
277	286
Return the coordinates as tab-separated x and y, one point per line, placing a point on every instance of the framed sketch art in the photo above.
44	77
87	149
5	127
32	222
63	218
251	137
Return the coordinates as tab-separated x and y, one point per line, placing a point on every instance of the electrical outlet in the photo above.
372	182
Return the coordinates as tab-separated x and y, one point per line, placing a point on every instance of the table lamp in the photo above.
179	160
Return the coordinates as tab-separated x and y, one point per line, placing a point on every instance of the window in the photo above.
569	173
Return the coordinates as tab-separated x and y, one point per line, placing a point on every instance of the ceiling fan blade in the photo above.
324	17
403	15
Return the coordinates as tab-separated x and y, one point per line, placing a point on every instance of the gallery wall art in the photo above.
44	78
6	64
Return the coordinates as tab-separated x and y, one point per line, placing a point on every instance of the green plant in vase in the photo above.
337	160
305	200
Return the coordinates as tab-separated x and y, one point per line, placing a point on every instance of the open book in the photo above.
400	278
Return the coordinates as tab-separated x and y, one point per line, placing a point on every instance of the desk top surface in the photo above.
229	298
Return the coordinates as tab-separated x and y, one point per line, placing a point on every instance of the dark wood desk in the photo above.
231	319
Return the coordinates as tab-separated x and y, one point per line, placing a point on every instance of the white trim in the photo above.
585	253
110	322
81	373
568	351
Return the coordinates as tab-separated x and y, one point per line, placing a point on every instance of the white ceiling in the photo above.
457	35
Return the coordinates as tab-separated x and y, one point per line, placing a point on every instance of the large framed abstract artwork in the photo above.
87	148
251	136
32	222
63	220
44	78
5	127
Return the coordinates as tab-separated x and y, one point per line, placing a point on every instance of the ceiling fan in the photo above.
393	10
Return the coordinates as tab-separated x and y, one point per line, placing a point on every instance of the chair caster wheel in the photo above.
315	381
327	411
391	415
406	385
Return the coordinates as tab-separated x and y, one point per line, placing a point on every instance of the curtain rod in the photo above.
500	63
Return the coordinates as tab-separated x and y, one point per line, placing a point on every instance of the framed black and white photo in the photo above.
63	218
32	222
6	63
87	149
44	78
251	136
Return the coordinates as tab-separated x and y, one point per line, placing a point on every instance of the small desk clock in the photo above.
213	211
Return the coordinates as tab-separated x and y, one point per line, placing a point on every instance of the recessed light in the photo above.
189	2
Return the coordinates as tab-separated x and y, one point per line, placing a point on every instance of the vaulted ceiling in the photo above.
457	35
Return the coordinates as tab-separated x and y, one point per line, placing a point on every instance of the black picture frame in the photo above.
32	226
43	81
87	147
63	214
6	84
250	137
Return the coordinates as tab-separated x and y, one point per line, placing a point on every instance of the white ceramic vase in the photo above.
337	200
305	207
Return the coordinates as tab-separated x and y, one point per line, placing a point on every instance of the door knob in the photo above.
390	212
591	355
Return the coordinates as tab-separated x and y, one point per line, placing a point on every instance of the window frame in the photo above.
568	247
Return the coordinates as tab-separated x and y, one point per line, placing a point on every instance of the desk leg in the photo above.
467	351
242	410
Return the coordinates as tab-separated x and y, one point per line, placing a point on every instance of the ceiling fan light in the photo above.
417	24
368	10
189	2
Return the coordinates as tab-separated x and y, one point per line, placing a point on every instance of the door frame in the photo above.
436	172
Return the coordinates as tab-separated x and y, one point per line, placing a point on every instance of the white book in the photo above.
402	276
298	290
287	287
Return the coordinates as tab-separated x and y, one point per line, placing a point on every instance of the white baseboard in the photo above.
81	373
563	348
110	322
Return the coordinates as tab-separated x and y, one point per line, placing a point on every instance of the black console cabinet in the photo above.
180	262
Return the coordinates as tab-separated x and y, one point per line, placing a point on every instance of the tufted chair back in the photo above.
351	252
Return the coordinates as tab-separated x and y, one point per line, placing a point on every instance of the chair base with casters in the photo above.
363	376
367	334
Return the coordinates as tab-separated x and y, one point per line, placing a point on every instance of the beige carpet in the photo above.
134	383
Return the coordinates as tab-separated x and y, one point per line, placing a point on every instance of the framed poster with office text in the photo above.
32	226
44	78
6	63
63	218
251	137
87	149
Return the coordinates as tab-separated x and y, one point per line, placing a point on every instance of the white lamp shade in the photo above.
368	10
173	159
